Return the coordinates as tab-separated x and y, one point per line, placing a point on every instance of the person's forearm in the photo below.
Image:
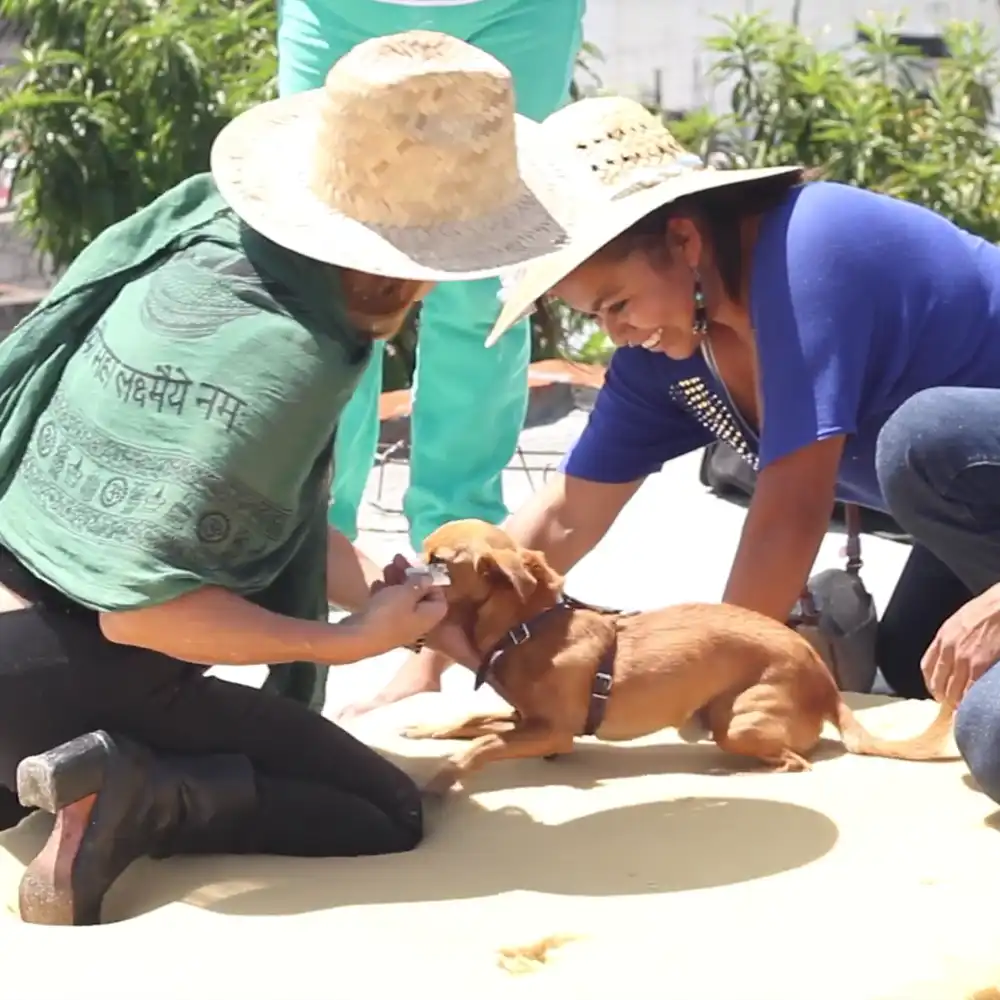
212	625
533	529
349	573
539	527
773	562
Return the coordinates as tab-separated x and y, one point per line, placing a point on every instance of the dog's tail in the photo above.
931	744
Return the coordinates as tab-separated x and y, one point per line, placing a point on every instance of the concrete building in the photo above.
653	48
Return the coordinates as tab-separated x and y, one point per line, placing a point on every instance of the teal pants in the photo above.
469	401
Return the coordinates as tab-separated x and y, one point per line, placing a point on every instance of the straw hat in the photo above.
634	165
409	162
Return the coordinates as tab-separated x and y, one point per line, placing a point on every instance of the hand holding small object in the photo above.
437	573
447	637
401	614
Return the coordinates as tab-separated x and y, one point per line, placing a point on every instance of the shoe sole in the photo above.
65	782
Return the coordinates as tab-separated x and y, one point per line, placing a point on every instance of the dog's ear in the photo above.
538	566
440	554
507	568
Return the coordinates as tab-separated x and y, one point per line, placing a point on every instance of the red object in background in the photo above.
8	173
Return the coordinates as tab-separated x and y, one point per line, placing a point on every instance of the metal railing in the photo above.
526	460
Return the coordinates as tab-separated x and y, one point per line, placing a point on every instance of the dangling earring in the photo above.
700	325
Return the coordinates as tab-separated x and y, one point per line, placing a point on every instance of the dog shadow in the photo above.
593	763
473	851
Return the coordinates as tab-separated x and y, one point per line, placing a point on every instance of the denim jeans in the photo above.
938	463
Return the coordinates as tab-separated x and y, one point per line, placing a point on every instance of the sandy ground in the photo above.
517	861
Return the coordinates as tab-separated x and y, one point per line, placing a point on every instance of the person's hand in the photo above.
400	614
394	573
445	642
966	646
446	638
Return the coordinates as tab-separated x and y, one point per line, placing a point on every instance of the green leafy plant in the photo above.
586	73
876	114
112	104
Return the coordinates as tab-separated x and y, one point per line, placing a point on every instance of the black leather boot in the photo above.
115	801
11	811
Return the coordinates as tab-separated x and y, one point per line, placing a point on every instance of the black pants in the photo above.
938	463
320	792
927	594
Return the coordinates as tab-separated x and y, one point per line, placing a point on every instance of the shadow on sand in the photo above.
474	851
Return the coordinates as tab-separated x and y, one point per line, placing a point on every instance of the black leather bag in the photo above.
731	478
835	613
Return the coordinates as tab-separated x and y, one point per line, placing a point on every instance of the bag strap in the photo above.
852	517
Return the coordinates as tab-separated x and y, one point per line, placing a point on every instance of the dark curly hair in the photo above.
721	212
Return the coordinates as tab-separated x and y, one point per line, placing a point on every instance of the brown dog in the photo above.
568	669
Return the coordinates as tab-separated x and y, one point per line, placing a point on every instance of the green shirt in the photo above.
167	415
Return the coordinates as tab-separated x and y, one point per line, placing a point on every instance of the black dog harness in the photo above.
604	675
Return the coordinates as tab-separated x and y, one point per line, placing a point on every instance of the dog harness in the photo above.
604	675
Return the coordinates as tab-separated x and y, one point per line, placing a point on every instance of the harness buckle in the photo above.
603	681
519	634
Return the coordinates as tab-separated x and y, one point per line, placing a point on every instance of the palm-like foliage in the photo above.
112	104
875	115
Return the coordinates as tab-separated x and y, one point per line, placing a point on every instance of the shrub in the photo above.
113	104
873	114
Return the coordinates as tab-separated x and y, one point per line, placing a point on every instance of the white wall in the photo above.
642	37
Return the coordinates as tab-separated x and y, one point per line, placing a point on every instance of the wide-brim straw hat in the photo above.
409	162
635	166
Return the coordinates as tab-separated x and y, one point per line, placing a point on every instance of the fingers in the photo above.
973	677
432	608
947	676
957	682
422	587
395	573
409	591
355	710
930	667
976	671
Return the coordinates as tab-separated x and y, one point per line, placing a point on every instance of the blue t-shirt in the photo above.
858	300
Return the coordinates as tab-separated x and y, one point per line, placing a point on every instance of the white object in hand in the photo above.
437	573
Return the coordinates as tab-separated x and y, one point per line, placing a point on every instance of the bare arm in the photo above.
568	517
788	517
349	573
212	625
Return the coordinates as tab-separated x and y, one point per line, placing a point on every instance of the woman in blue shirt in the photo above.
845	342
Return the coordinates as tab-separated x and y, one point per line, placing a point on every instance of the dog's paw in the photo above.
441	783
422	732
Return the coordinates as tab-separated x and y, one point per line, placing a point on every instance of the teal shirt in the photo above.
176	424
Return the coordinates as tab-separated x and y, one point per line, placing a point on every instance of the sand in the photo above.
864	879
